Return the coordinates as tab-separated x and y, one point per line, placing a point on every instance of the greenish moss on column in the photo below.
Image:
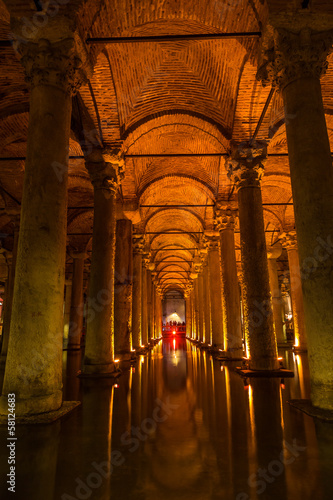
34	359
123	290
106	170
138	248
294	58
225	219
245	168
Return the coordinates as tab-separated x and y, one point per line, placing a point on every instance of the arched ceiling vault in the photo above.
177	97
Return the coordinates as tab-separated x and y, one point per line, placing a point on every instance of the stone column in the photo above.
207	304
105	169
294	58
188	311
34	359
123	290
153	313
245	168
76	310
289	241
215	292
225	224
150	296
67	309
11	258
158	311
196	304
144	305
201	308
277	301
138	246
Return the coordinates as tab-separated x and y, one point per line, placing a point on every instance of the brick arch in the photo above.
192	185
188	212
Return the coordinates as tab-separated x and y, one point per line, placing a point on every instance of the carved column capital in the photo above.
15	215
138	243
290	54
212	241
146	259
57	64
245	164
106	169
77	254
289	240
225	217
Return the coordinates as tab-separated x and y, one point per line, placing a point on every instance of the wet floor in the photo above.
177	425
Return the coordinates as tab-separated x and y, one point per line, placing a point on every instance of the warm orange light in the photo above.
116	360
174	332
116	386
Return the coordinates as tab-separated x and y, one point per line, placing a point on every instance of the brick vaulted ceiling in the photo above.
160	98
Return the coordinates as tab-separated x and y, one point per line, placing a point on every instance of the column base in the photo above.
32	406
141	350
299	349
123	355
279	373
44	418
307	407
284	345
100	370
72	347
235	353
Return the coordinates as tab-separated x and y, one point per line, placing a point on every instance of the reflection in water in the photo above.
177	425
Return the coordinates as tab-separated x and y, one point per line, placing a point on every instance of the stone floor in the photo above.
177	425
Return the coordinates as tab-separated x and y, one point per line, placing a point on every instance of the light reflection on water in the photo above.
184	427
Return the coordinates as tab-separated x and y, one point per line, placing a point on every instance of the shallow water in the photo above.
177	425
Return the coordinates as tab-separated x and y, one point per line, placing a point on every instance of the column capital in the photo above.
298	52
106	169
289	240
15	215
77	254
225	216
57	64
274	252
245	164
138	243
146	259
212	239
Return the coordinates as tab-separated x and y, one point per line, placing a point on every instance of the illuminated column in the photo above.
11	257
105	172
294	59
207	302
225	224
76	310
138	246
123	290
159	312
150	296
193	319
289	241
201	306
144	304
245	168
215	292
67	308
35	345
188	310
277	301
154	281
